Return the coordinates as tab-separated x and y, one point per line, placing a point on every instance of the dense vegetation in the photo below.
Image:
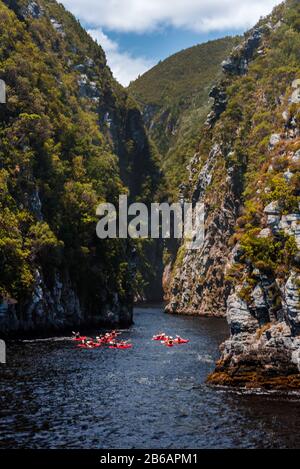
70	139
174	97
269	171
257	164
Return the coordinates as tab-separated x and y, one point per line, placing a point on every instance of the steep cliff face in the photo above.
71	137
174	99
246	171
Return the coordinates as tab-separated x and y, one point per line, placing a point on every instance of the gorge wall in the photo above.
246	171
174	101
70	138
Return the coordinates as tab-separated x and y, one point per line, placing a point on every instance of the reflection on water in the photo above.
56	396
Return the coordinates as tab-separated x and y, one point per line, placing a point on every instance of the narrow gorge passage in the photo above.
54	395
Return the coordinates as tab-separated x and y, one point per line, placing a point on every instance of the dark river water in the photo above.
54	395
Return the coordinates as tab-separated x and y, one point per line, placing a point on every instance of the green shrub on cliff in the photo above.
252	148
59	156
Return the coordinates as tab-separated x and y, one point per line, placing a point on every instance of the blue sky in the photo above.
136	34
162	43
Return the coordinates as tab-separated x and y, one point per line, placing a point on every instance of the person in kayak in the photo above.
179	340
76	335
108	338
160	336
169	342
121	345
89	343
103	339
114	334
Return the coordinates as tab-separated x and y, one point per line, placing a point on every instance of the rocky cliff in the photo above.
174	100
71	137
246	171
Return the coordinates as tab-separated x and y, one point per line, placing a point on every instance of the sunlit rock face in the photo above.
248	268
237	63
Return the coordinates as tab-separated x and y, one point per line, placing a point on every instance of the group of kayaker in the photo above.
169	341
109	339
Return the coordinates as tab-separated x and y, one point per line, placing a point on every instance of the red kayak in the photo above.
180	341
79	339
160	337
90	345
169	344
121	346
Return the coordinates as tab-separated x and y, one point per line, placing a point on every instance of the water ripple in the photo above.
53	395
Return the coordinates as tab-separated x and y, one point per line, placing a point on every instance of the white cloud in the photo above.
139	16
124	66
147	15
